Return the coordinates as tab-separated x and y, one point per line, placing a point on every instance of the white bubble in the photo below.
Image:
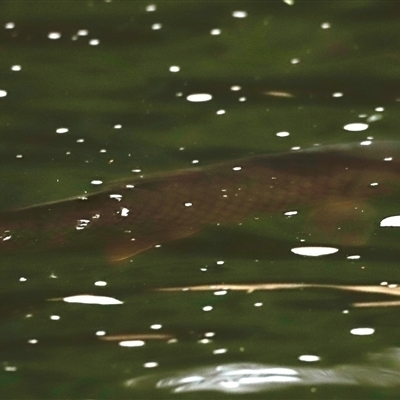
220	351
237	168
235	88
356	127
239	14
100	283
3	93
337	94
150	364
15	68
83	32
314	251
221	112
90	299
199	97
132	343
188	204
115	196
94	42
374	117
9	25
118	126
215	32
62	130
96	182
174	68
220	292
309	358
325	25
282	134
151	8
353	257
54	35
362	331
156	326
207	308
294	60
54	317
290	213
156	27
393	221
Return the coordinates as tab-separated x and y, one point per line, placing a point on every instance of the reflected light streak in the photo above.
279	94
137	336
393	290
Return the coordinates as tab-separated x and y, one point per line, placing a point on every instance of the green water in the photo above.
288	63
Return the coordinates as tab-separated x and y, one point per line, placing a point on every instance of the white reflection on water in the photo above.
356	127
91	299
381	370
393	221
314	251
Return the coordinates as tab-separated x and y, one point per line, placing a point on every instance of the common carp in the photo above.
137	214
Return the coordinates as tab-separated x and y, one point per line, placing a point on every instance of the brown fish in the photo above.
133	216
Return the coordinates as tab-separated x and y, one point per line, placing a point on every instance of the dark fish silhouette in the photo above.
133	216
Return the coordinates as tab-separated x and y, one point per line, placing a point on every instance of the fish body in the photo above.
135	215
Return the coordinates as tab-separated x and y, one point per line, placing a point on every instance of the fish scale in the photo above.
126	221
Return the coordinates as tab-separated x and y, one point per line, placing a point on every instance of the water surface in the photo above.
98	91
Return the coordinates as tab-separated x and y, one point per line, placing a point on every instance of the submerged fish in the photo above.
133	216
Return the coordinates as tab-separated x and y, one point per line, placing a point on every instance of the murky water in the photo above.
96	91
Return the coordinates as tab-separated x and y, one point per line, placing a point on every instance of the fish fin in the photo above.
342	222
127	247
123	249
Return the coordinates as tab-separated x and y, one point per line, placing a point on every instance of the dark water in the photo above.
309	69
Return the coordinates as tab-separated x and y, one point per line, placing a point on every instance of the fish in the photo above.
134	215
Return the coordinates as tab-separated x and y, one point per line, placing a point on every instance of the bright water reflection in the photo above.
253	377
